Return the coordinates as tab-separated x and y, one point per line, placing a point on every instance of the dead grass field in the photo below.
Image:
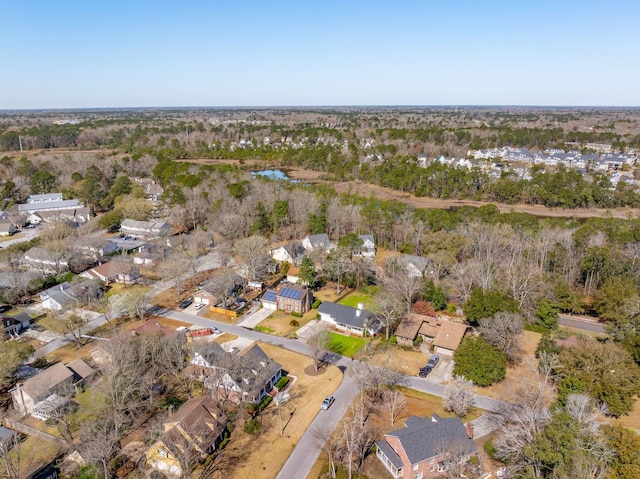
399	359
35	453
329	292
264	455
280	322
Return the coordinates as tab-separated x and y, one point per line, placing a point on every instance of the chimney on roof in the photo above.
470	430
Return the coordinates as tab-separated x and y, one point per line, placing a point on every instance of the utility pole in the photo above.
20	141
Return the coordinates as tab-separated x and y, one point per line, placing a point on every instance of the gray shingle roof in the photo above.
390	453
423	438
345	314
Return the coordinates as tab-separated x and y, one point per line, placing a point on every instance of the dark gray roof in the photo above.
423	438
319	241
345	314
212	353
420	262
390	453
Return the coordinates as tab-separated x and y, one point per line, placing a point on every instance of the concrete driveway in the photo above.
251	320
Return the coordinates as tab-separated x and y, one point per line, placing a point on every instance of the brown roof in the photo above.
445	334
199	421
450	335
152	326
409	327
80	368
38	387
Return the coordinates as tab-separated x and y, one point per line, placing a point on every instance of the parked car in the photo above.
199	306
328	401
216	330
185	304
424	372
433	360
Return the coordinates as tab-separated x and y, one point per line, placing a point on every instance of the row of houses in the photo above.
294	251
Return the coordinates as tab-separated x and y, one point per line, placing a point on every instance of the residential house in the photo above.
416	266
319	242
145	229
190	435
426	447
445	336
368	248
153	191
14	324
114	272
150	254
45	261
49	389
289	298
57	205
292	253
76	216
350	320
7	228
46	198
247	377
65	295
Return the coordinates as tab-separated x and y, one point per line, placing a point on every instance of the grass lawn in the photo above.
361	296
35	453
345	345
117	288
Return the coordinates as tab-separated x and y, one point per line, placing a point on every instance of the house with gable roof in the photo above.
289	298
291	253
426	447
50	388
318	242
350	320
144	229
246	377
190	435
416	266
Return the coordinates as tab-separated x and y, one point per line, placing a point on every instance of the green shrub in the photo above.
294	323
296	315
418	341
479	362
252	426
316	304
264	403
489	448
282	382
451	308
393	340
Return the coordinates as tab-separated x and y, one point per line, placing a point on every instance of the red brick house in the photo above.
426	447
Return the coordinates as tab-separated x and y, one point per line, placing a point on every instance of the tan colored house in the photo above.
49	389
445	335
190	435
113	272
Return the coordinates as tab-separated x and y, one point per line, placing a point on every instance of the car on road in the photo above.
328	401
433	360
424	372
185	304
216	330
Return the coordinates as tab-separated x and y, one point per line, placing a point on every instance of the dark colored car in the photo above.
424	372
185	304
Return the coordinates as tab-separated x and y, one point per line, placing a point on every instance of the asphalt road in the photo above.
312	441
578	322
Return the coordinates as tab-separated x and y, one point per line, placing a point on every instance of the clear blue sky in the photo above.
70	53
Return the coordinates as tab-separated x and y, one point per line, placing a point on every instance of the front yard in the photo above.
264	455
279	323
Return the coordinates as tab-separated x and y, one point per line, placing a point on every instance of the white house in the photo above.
350	320
145	229
7	228
319	242
416	266
292	253
368	248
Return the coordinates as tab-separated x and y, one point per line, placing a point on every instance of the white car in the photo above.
199	306
328	401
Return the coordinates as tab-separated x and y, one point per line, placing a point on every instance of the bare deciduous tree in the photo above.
459	397
394	402
253	251
319	344
502	331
